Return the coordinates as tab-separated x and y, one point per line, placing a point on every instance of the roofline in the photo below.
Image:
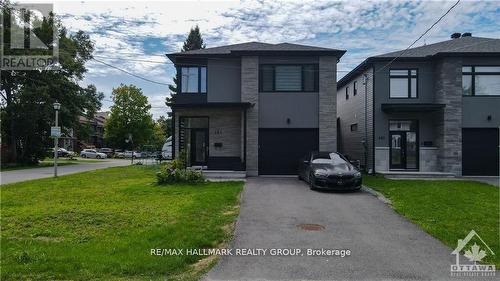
242	105
337	53
367	62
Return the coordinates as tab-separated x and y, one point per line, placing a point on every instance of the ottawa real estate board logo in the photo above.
26	44
474	253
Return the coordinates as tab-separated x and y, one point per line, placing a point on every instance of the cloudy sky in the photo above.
136	35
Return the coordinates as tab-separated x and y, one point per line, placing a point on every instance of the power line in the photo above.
130	73
420	37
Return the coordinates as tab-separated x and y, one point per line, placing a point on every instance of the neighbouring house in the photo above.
254	107
95	139
433	108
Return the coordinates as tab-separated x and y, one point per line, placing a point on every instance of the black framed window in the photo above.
403	83
354	88
347	92
481	80
288	78
354	127
193	79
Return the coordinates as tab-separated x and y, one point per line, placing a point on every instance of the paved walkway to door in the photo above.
384	245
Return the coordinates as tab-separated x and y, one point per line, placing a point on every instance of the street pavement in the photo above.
38	173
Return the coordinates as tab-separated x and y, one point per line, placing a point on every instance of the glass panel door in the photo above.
199	146
411	150
397	150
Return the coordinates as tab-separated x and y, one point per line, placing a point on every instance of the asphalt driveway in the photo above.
383	244
46	172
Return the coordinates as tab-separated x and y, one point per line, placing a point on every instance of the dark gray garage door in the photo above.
480	152
281	149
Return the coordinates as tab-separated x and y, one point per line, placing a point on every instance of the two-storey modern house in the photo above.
254	107
433	108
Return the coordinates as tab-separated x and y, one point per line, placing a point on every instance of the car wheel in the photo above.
98	157
311	182
84	156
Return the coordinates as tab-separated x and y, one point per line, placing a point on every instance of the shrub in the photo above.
175	172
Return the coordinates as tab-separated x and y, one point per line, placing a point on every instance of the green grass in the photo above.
41	164
49	162
446	209
102	225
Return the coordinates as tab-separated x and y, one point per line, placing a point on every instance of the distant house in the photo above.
433	108
254	107
71	140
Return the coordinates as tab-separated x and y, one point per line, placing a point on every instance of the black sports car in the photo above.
329	170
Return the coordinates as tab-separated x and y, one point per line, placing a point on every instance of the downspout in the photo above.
365	143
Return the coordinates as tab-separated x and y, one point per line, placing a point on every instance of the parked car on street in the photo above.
329	170
61	152
119	153
92	153
107	151
128	154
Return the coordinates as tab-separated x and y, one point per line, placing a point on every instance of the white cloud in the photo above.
365	28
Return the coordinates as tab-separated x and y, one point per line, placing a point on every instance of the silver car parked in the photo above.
92	153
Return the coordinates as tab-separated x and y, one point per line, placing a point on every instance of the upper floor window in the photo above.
403	83
194	79
288	78
354	88
481	80
347	92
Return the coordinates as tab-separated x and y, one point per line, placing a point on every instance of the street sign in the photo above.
55	132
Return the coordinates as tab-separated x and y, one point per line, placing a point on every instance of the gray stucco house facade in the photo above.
254	107
433	108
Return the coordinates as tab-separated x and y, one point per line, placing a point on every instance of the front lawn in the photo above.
446	209
103	224
48	162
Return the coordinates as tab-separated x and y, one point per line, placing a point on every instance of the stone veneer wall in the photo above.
250	93
382	158
328	103
448	88
428	158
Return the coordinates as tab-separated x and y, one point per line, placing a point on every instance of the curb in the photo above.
377	194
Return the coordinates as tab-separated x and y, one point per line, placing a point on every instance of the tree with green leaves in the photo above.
130	124
194	41
165	124
26	109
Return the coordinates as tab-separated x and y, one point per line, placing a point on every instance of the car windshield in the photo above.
327	158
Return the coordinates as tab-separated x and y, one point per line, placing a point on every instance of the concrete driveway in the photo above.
383	245
38	173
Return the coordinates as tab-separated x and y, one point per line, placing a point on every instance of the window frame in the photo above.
302	65
473	74
408	76
346	92
354	126
179	78
354	88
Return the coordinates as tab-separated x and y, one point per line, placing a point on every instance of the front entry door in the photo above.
397	150
199	146
403	150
